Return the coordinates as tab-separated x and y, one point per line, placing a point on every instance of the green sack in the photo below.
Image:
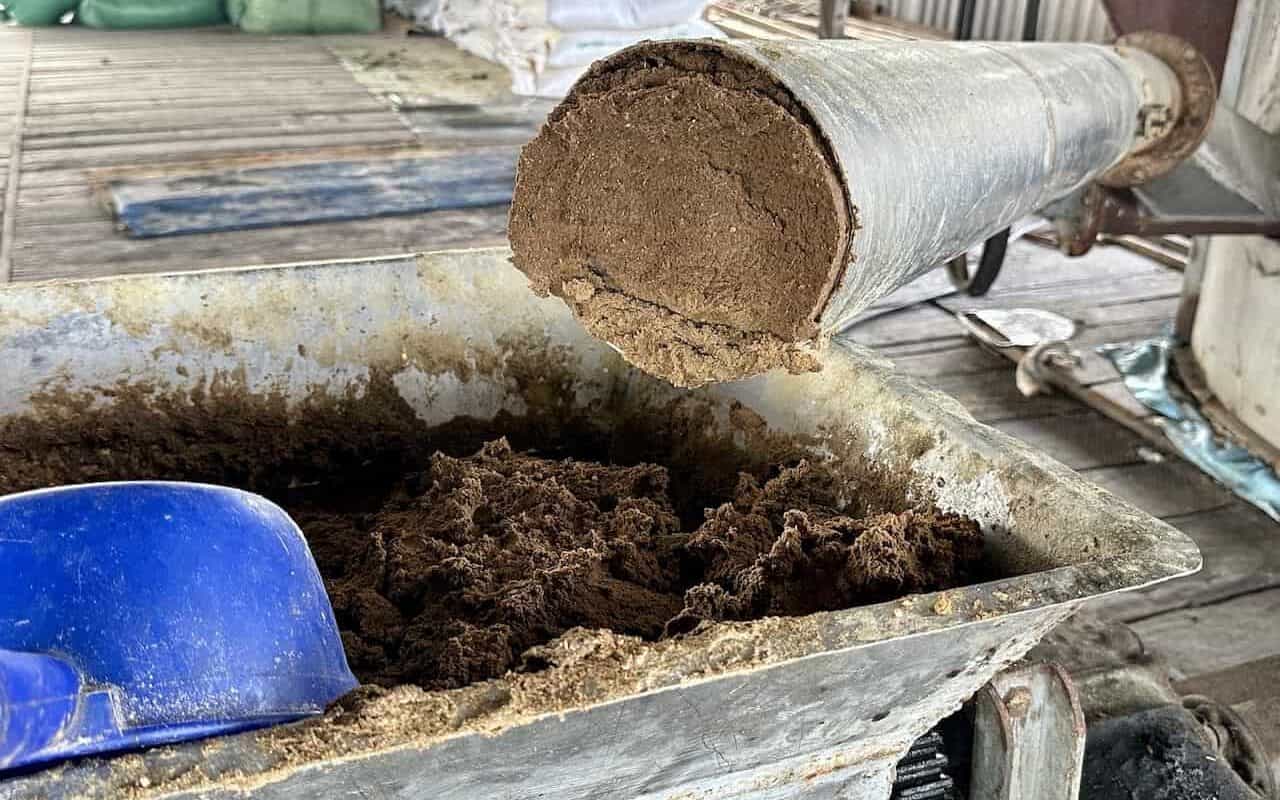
39	12
306	16
133	14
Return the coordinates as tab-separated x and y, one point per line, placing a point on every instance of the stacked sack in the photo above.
547	44
306	16
255	16
39	12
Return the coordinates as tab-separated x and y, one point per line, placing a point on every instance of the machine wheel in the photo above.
977	284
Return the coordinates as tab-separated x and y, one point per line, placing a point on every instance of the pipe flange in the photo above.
1199	96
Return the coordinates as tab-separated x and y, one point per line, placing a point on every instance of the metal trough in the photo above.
806	707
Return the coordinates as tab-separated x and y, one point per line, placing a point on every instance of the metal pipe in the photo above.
1031	21
939	145
929	148
964	22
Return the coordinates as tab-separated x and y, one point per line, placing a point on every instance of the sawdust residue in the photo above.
483	559
684	352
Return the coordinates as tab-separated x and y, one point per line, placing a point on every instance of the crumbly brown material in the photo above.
688	213
502	552
684	352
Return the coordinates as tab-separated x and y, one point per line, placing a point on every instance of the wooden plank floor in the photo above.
1209	628
14	69
98	100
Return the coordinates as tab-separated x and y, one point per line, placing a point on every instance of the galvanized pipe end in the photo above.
689	209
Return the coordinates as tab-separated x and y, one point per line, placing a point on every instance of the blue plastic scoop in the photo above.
135	614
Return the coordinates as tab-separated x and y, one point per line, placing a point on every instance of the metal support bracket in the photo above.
1029	736
1117	211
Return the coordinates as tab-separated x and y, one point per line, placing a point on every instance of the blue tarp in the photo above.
1145	367
265	197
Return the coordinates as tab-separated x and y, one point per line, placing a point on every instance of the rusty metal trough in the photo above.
807	707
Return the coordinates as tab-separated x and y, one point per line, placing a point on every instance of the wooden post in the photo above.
831	19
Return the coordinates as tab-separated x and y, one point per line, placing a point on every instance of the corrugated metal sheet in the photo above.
1060	20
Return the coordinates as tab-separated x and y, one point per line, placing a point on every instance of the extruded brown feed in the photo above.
686	209
445	569
501	552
